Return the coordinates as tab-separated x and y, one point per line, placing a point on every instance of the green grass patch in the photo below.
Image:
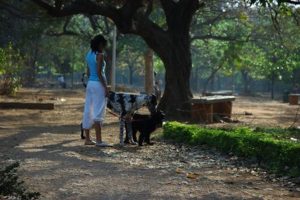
271	148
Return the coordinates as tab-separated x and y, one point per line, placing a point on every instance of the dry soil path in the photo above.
55	162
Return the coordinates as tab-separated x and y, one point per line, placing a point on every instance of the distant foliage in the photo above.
10	185
11	64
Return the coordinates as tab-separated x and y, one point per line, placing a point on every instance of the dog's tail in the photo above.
82	132
83	79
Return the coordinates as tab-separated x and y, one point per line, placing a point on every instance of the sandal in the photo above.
103	144
90	142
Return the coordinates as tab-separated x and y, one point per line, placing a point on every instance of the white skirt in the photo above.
95	104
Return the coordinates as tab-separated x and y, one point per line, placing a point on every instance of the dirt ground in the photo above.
55	162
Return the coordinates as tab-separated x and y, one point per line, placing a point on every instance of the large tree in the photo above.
169	40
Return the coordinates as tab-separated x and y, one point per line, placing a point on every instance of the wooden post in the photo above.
149	71
113	65
20	105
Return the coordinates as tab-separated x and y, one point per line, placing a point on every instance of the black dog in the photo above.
136	117
145	124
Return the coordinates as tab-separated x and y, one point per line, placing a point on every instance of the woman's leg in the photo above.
87	136
87	120
98	132
99	104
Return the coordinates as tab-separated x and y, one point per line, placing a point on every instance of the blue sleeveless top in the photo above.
92	65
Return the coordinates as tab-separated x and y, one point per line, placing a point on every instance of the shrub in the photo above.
277	153
10	185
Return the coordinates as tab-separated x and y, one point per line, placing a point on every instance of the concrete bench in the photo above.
294	99
219	93
204	108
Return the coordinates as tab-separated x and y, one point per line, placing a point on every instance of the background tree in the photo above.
253	32
130	56
11	64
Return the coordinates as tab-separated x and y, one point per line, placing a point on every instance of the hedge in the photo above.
275	153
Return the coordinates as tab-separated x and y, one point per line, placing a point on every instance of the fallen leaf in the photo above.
192	175
179	170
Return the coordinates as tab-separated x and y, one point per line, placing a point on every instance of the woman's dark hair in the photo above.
96	41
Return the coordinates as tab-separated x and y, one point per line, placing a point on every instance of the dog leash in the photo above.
116	115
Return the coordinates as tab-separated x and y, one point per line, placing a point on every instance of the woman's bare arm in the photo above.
99	71
88	71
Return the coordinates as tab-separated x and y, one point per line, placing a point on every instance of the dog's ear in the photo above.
153	99
162	112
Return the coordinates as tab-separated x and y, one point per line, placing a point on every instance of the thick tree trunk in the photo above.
272	85
176	98
173	47
246	79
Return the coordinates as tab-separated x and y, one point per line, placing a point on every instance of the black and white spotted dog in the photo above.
125	105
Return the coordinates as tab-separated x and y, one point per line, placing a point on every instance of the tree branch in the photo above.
213	37
15	11
127	18
149	8
184	9
264	2
295	2
77	7
93	22
65	31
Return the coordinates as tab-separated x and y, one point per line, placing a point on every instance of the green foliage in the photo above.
275	153
10	70
131	51
10	185
265	51
268	2
158	65
63	56
253	43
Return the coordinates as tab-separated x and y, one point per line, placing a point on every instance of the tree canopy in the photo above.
192	40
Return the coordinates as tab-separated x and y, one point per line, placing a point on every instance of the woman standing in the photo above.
96	91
